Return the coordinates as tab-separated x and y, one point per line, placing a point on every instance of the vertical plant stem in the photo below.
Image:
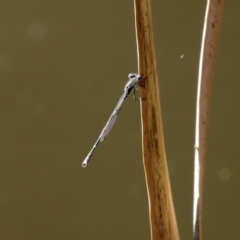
210	37
163	224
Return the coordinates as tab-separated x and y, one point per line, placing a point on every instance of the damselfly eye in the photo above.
131	75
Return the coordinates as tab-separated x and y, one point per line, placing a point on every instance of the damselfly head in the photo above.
131	75
133	79
134	75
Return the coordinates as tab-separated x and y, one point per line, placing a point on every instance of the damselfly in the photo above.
130	85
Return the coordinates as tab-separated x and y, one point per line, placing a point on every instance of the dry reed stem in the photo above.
163	224
210	37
